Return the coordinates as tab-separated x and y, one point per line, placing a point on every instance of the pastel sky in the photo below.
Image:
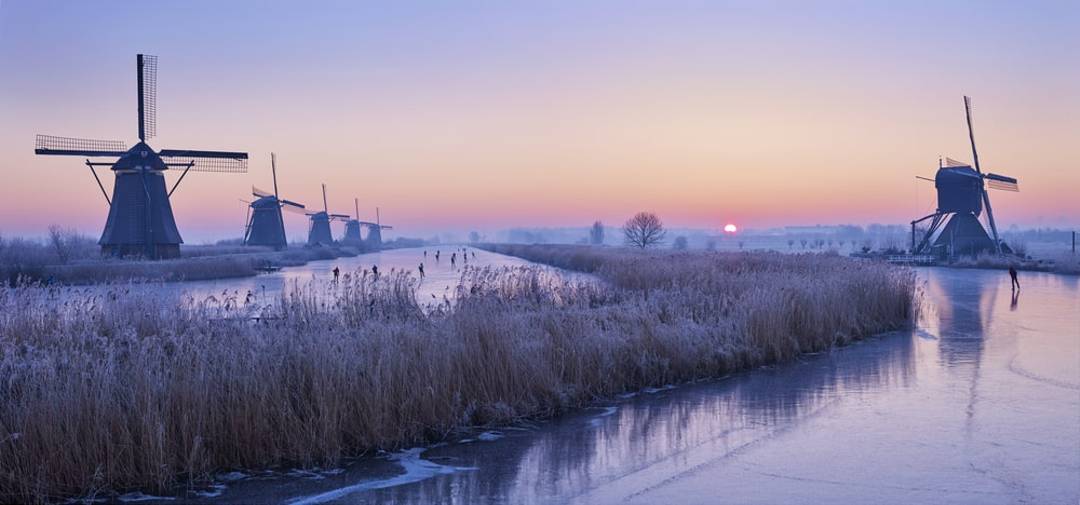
485	115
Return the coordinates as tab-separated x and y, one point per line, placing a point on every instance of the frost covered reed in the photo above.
104	393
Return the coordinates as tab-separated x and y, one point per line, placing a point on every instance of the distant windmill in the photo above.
265	226
955	228
375	230
319	231
352	226
140	217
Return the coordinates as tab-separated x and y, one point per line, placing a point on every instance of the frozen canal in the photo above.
441	277
981	404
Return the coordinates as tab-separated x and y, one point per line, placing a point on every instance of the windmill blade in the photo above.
298	209
260	193
206	161
951	163
386	227
1001	182
69	146
147	95
340	216
292	203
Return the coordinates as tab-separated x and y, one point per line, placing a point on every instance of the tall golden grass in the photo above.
106	393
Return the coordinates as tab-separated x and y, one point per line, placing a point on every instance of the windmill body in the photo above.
962	197
266	227
319	229
352	231
352	226
140	218
140	221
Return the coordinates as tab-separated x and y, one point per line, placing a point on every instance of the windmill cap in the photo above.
140	155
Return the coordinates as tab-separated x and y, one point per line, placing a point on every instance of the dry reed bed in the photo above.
109	393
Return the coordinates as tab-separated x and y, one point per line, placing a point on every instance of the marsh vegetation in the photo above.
107	392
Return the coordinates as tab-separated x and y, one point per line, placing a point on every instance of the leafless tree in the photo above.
680	243
596	233
710	245
644	230
60	242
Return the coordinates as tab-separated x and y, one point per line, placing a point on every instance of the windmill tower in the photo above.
962	194
319	231
265	226
375	229
352	226
140	221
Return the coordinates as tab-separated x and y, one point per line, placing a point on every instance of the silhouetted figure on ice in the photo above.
337	273
1015	281
453	259
375	271
421	271
436	256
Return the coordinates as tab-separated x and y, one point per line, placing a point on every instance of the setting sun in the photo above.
730	228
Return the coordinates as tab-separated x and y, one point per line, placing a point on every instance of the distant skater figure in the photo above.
453	259
436	256
425	253
1015	281
474	255
337	273
375	271
421	271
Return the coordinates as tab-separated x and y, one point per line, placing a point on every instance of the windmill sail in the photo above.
1001	182
68	146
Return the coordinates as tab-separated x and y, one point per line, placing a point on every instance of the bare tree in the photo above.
474	237
680	243
644	230
58	238
596	233
710	245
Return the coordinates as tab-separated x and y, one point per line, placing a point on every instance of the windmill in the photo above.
375	230
961	196
140	221
352	226
265	226
319	231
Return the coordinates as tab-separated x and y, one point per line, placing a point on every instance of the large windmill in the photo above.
319	231
140	219
265	226
955	228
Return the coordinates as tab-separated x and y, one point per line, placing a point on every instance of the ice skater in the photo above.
453	260
421	271
436	256
375	271
1015	281
337	273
